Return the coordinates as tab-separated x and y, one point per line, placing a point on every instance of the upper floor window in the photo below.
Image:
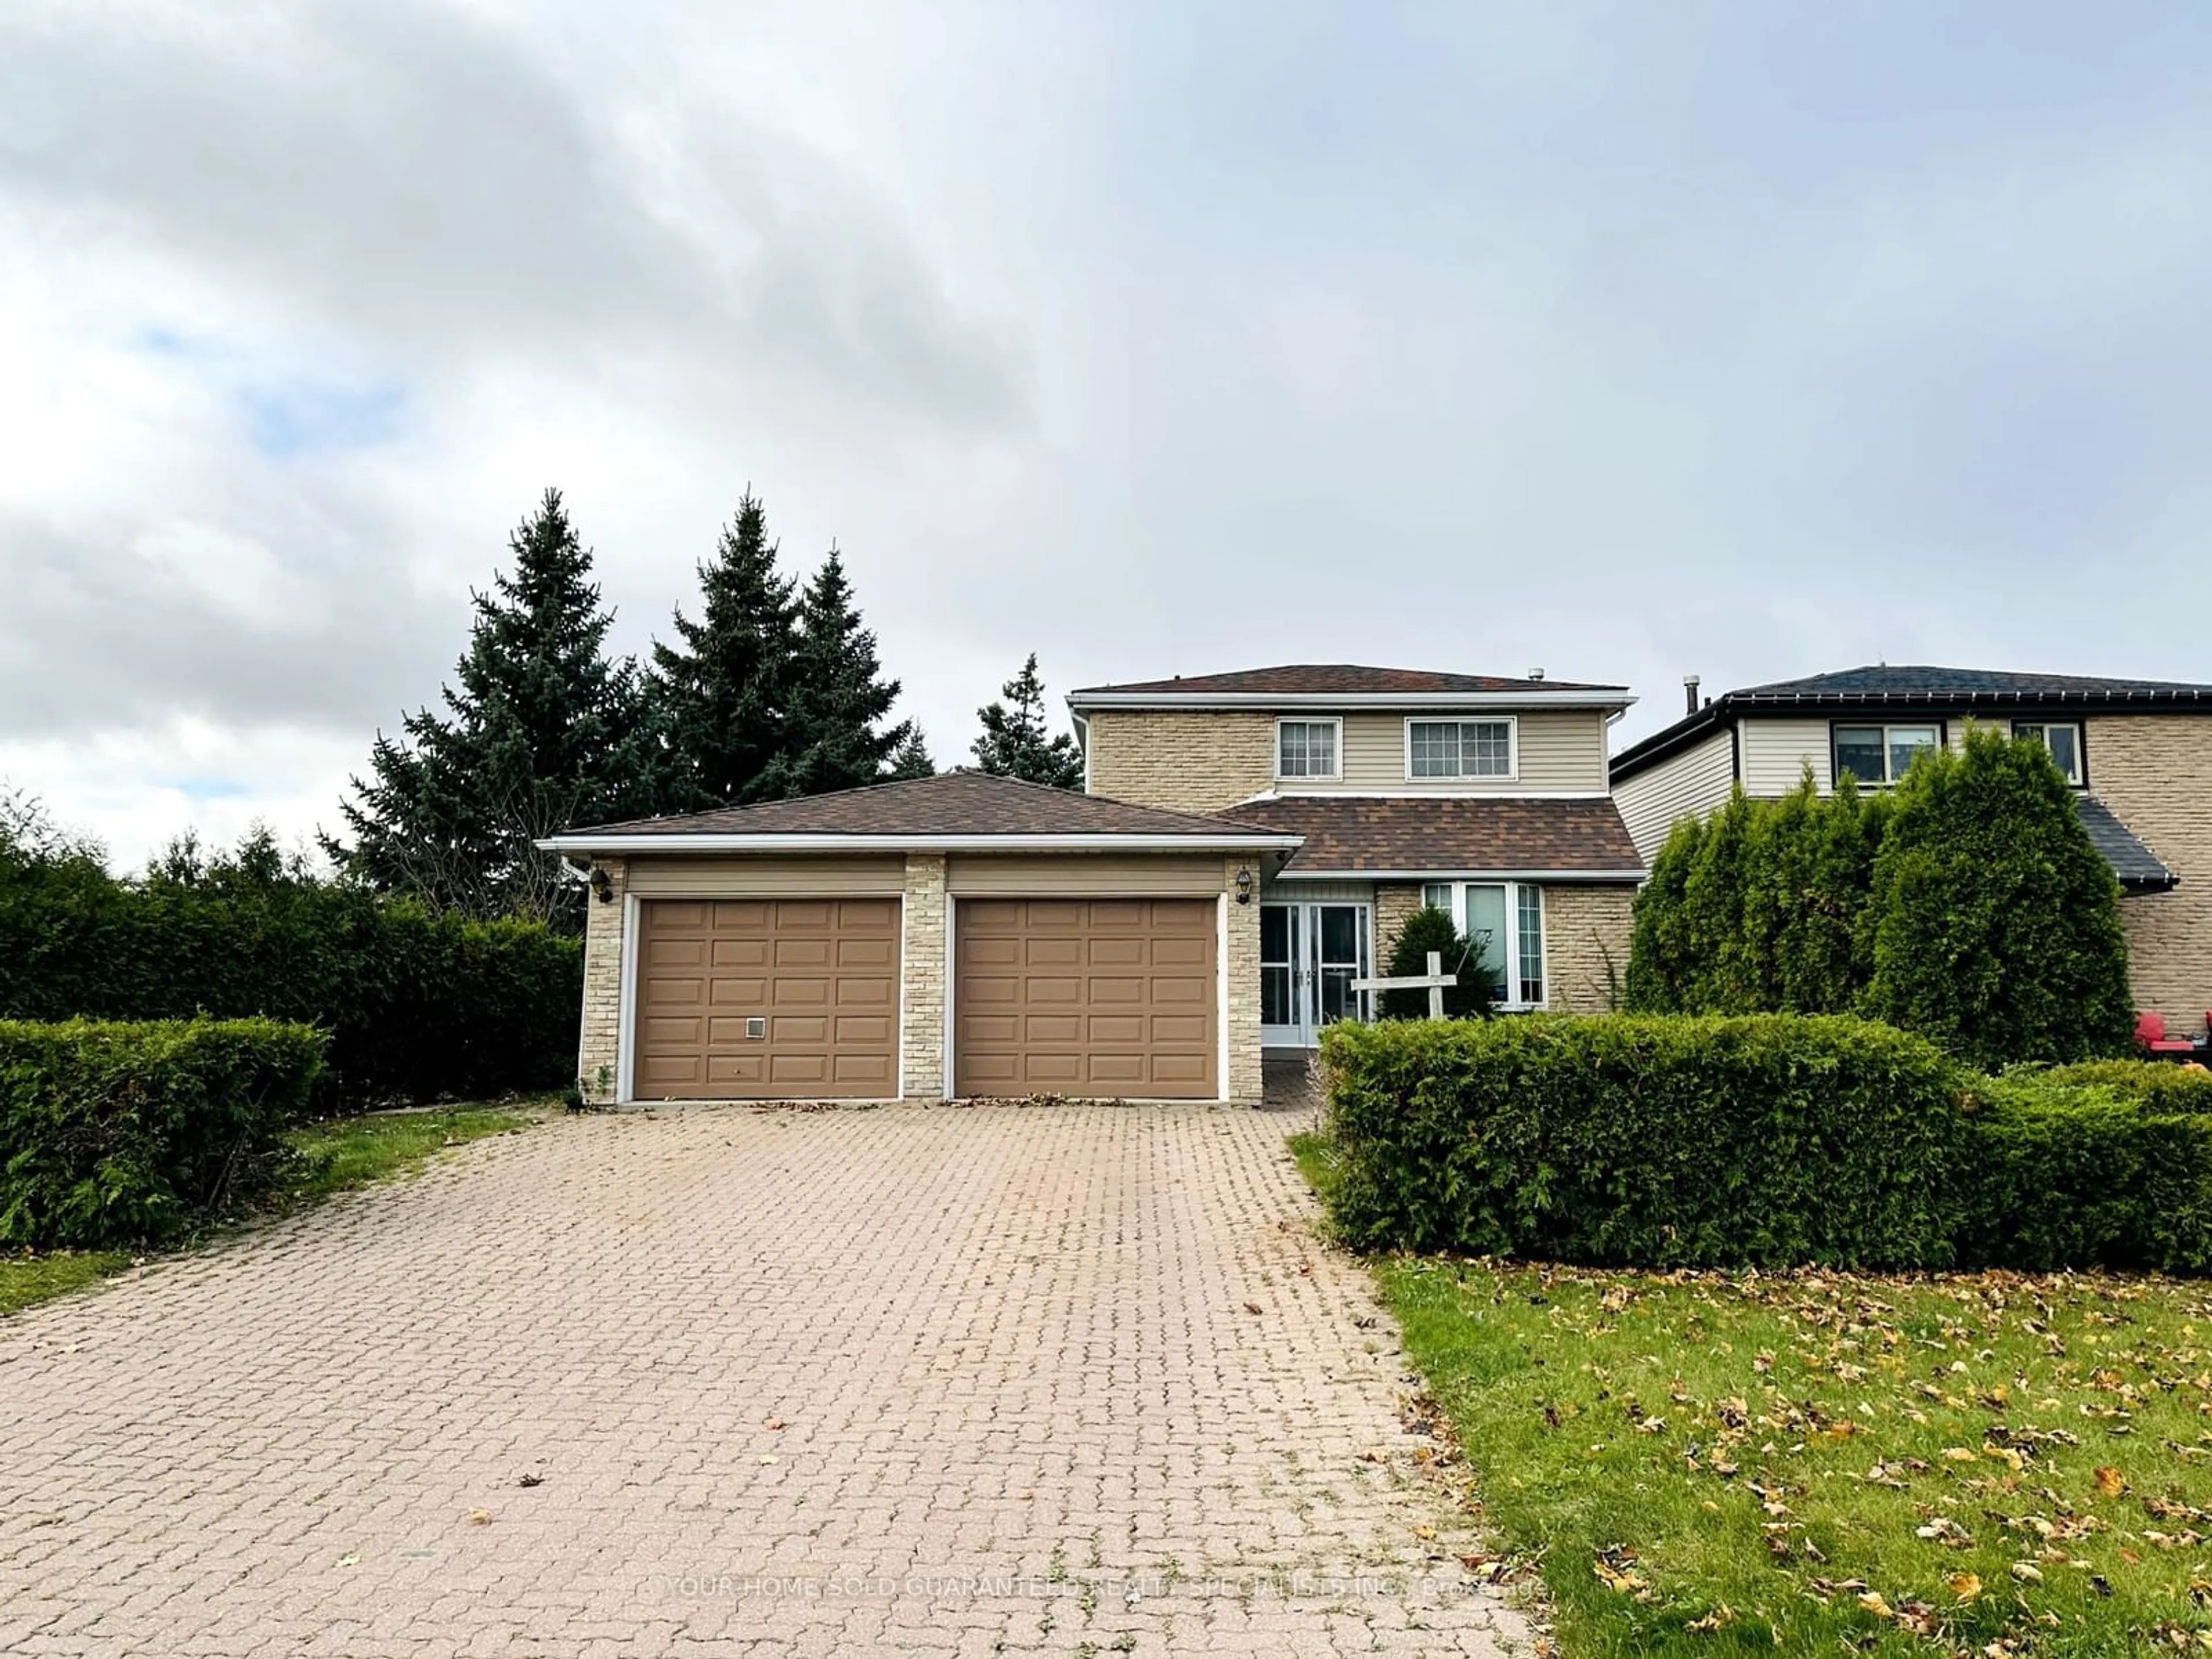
2062	740
1883	754
1459	749
1306	749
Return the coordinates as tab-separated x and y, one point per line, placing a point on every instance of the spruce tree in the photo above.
911	759
833	736
542	732
722	690
1015	743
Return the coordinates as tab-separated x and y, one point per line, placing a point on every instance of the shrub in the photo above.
1430	929
1696	1141
1995	921
2069	1174
417	1005
2158	1084
132	1134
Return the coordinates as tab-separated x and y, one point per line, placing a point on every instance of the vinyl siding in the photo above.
1776	753
1103	875
1687	785
1561	750
764	876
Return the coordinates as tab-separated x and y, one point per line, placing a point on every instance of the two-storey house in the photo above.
1483	795
2137	752
1248	844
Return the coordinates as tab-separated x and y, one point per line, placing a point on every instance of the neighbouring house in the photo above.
1247	844
2137	752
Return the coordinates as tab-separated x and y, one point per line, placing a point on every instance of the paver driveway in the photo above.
1024	1408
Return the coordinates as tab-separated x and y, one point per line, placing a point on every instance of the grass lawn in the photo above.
1989	1464
344	1152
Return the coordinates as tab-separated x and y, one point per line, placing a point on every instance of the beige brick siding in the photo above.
1394	902
921	979
2155	772
1185	763
598	1053
1586	946
1239	967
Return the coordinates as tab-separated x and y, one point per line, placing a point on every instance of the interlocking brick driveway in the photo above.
1025	1405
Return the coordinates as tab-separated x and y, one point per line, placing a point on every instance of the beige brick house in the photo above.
1245	848
1482	795
2138	752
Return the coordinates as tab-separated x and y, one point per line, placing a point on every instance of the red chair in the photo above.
2151	1037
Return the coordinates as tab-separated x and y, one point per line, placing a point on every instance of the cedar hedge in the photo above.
114	1134
418	1006
1759	1140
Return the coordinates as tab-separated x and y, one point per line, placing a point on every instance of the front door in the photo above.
1310	954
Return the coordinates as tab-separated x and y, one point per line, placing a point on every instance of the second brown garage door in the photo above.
1085	996
768	1000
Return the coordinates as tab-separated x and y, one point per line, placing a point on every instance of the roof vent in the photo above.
1535	673
1690	694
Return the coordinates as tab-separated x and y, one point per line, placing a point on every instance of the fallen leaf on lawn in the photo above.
1944	1530
1872	1601
1960	1454
2111	1483
2028	1572
1719	1618
1627	1584
1966	1586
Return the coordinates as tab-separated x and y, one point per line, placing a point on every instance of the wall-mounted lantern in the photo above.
1244	886
602	884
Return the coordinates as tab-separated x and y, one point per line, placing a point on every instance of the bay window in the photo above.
1503	921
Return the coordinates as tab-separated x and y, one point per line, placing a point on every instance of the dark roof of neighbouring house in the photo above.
1337	679
1505	835
2135	864
953	804
1884	685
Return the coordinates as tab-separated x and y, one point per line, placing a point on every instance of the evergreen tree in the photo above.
542	732
833	736
911	759
721	692
1429	929
1995	921
1015	744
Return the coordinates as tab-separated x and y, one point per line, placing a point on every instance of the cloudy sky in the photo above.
1753	339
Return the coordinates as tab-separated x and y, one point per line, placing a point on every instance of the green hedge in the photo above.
133	1134
2158	1084
1761	1141
418	1006
1699	1141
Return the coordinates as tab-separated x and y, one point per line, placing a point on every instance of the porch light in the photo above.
602	884
1244	886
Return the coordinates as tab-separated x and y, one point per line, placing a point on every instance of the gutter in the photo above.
713	842
1266	702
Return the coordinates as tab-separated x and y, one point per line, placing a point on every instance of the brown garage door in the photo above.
1084	996
767	999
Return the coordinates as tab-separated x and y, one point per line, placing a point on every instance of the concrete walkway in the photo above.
1052	1379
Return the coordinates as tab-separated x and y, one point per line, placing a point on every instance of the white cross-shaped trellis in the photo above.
1433	982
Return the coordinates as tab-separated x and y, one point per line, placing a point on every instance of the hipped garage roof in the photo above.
953	811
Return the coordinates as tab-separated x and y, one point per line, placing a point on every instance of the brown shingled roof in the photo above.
1503	834
1342	678
953	804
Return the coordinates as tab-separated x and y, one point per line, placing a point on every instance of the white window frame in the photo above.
1511	1002
1940	728
1512	724
2080	775
1336	748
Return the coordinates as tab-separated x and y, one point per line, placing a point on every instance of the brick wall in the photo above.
1185	763
921	983
599	1052
1585	926
1394	902
1240	963
2154	771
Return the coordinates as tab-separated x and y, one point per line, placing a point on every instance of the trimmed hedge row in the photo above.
134	1134
418	1006
1764	1140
